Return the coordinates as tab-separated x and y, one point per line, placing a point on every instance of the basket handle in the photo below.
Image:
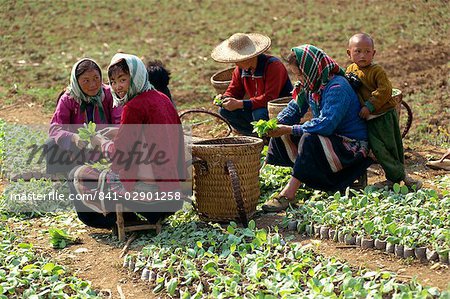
236	186
210	113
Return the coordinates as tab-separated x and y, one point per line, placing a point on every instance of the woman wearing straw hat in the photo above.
262	77
329	152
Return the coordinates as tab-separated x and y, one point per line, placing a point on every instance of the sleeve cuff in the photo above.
297	130
370	106
247	105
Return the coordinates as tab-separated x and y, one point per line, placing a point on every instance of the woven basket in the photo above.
398	97
275	107
222	79
226	178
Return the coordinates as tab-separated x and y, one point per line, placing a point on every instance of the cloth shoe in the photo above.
410	182
277	204
381	185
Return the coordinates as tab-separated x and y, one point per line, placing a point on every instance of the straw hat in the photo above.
240	47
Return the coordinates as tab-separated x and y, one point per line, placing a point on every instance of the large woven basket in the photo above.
222	79
226	184
275	107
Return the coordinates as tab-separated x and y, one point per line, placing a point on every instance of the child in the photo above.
378	108
159	77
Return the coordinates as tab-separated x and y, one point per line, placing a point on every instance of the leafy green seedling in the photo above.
101	165
218	100
261	127
60	238
87	131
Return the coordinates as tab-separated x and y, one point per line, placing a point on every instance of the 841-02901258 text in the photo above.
98	195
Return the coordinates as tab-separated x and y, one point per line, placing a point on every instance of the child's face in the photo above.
90	82
120	82
361	52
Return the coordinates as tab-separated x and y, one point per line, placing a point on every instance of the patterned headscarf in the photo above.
138	78
318	69
79	96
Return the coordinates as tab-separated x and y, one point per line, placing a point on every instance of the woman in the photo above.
257	79
330	151
147	153
85	100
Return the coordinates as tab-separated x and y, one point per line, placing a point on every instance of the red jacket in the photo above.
149	127
269	81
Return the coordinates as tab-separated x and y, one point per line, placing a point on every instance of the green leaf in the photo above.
251	224
396	188
172	286
48	268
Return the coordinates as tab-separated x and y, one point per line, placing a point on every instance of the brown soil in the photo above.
99	262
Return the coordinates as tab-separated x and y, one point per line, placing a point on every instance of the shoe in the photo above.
410	182
381	185
277	204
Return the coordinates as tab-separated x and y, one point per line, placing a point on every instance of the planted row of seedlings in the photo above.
406	224
194	260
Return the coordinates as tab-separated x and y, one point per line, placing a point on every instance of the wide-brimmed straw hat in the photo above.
240	47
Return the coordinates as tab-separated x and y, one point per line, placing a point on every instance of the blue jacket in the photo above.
338	113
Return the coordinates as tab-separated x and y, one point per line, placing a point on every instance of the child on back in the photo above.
378	108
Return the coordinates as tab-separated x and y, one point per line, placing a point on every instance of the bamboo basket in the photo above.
226	178
398	97
275	106
222	79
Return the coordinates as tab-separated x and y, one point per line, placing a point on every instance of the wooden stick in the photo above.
127	245
120	223
346	246
120	291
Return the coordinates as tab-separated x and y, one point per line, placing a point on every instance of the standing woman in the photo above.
330	151
86	99
147	153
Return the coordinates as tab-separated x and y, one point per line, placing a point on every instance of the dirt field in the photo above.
39	46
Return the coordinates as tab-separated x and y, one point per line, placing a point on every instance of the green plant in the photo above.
261	127
60	238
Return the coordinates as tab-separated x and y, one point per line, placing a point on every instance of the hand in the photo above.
364	113
280	131
78	142
109	132
232	104
97	140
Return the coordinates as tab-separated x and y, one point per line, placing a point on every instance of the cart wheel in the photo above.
405	118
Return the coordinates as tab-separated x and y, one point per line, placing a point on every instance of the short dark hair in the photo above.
121	65
159	77
86	65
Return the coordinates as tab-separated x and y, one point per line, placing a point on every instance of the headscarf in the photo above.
318	69
138	78
80	97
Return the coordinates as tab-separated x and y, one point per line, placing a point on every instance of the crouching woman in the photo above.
147	153
330	151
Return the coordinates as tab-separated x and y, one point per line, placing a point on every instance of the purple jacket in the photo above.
68	113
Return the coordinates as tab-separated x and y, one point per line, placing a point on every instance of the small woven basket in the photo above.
275	107
398	97
226	178
222	79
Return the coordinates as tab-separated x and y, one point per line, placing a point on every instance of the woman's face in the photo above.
90	82
120	82
297	73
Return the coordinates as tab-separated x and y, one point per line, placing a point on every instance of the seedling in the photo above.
261	127
87	131
218	100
